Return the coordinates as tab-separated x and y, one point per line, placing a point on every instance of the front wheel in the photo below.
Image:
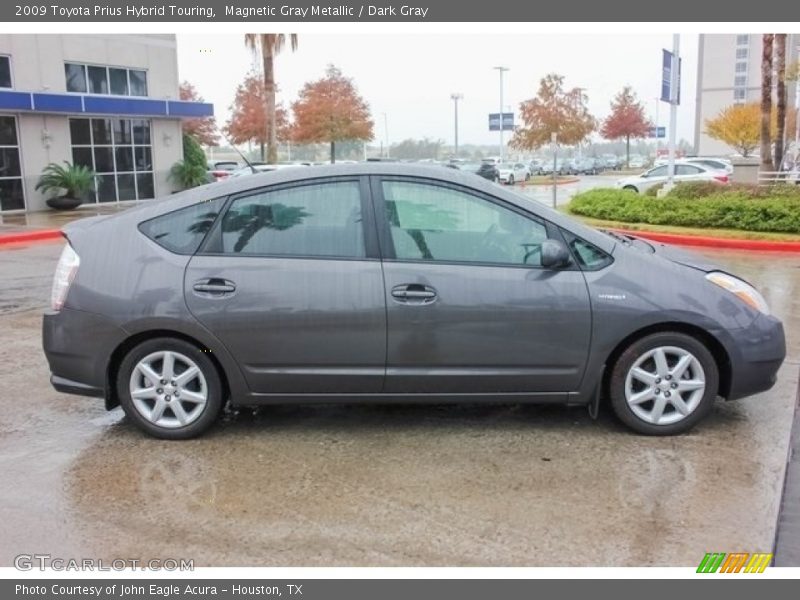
510	180
664	384
169	388
630	188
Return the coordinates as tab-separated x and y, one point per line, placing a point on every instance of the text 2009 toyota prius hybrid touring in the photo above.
392	283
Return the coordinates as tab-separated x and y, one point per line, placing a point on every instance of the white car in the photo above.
717	164
683	172
262	168
510	173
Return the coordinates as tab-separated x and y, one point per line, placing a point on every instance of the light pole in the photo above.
675	83
658	140
502	145
386	132
456	96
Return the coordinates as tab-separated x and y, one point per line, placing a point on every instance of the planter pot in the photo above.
64	202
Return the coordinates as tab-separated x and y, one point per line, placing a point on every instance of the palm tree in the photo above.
766	101
267	46
780	70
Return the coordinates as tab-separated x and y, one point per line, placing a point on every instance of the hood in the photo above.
667	251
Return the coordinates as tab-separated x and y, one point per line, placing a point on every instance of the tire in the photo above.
156	398
510	180
631	188
637	386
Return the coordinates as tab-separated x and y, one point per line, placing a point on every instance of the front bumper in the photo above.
756	354
78	346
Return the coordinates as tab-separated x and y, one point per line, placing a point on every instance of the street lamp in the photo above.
456	96
501	70
386	132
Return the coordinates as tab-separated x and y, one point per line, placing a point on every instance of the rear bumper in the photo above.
78	346
757	352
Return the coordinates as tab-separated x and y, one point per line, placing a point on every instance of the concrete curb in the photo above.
36	235
712	242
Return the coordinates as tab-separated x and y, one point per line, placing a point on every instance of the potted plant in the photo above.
70	183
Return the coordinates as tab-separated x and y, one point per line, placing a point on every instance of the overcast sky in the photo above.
411	77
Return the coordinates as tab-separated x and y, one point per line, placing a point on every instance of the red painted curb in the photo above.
37	235
712	242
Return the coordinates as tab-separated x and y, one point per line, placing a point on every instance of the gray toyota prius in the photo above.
383	282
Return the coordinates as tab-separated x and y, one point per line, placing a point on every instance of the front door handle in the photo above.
414	293
214	286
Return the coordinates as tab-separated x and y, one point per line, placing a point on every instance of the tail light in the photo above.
220	174
65	273
721	178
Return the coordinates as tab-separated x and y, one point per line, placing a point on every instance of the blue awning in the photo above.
40	102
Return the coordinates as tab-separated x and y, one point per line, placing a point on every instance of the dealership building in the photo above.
109	102
729	72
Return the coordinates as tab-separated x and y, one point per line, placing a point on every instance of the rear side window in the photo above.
316	220
182	231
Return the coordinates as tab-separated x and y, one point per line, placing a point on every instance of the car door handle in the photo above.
214	286
414	293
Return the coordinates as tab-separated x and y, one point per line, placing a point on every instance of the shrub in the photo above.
728	208
74	180
191	171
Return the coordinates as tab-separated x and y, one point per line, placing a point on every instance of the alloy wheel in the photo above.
168	389
665	385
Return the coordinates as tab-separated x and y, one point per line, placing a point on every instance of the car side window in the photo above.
658	172
316	220
687	170
182	231
436	223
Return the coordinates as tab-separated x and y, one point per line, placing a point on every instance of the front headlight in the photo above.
742	289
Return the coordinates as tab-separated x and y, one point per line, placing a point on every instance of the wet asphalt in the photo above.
389	486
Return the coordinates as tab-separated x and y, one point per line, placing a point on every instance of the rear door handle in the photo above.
214	286
414	293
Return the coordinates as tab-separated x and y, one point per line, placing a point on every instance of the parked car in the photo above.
582	166
535	166
717	164
611	161
266	290
683	172
637	162
512	172
254	168
484	169
561	165
220	169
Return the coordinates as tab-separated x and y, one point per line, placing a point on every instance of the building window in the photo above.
741	67
741	53
743	39
740	81
11	194
5	72
96	79
120	153
739	94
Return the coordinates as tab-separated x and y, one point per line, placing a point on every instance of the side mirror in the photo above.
555	254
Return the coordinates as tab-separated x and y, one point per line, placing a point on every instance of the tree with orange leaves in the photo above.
331	110
553	110
626	120
248	122
203	130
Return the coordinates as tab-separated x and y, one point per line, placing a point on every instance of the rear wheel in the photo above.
664	384
169	388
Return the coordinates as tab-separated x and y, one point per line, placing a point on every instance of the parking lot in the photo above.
391	486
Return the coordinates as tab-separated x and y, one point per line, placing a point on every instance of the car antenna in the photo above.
247	162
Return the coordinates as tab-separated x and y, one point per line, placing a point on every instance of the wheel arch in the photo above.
714	346
122	349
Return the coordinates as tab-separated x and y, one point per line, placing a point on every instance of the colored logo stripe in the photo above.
735	562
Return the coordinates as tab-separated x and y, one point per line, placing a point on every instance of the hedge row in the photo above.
728	209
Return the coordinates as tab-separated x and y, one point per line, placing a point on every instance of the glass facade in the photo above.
11	194
120	152
98	79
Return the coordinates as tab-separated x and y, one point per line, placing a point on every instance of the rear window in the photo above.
182	231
